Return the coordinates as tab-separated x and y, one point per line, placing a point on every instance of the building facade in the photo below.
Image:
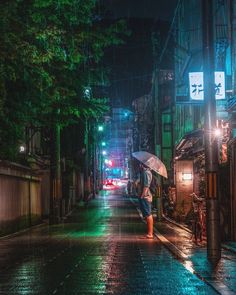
182	150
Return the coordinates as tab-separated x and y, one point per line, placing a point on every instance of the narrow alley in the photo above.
101	249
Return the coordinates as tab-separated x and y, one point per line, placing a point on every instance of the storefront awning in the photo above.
191	143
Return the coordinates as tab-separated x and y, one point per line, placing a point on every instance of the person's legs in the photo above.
146	208
149	226
142	207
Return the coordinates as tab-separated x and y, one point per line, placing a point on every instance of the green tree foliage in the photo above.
49	51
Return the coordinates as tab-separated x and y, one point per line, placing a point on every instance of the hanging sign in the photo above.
220	85
196	85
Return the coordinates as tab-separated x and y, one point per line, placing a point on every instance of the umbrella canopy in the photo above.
151	161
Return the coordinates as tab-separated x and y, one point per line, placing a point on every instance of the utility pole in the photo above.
157	117
211	155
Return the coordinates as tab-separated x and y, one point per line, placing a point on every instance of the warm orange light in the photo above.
187	176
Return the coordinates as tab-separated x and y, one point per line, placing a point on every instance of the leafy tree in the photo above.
49	52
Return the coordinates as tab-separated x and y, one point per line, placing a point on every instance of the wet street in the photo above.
101	249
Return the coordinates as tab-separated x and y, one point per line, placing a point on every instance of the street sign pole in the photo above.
211	154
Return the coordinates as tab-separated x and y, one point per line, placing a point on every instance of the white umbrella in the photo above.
151	161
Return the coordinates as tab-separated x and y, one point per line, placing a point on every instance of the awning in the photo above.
191	143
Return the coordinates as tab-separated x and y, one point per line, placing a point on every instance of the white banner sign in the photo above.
196	85
220	85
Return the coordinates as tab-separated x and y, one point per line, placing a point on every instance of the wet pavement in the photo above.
101	249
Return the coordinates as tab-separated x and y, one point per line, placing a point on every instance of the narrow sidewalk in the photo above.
194	257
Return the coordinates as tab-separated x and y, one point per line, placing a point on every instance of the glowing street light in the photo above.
218	132
100	128
87	92
22	149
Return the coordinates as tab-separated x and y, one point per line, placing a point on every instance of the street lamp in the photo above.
100	128
218	132
87	92
22	149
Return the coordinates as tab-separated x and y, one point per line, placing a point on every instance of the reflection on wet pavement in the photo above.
98	250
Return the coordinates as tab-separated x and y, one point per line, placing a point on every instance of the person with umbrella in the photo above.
148	162
145	198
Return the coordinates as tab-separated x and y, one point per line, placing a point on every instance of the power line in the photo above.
170	31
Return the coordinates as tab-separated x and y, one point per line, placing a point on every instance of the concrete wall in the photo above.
20	198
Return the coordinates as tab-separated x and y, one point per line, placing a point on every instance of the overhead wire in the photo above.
169	32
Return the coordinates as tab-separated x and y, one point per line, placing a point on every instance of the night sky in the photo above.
131	64
160	9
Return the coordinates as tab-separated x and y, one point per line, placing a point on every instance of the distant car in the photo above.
109	182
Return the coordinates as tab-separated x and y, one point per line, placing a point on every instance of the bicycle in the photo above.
199	219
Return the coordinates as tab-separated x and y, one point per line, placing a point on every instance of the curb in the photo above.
18	233
177	224
223	245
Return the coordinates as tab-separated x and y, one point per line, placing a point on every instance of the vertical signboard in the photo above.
196	85
220	85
